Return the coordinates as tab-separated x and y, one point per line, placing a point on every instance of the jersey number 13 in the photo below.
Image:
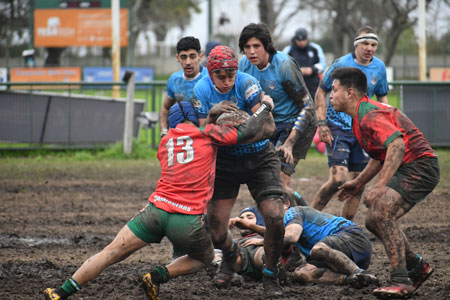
186	154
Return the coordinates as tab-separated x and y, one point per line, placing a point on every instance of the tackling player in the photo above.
187	155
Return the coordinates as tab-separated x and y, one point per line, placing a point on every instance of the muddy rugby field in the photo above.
54	215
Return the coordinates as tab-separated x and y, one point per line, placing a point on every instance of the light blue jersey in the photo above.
376	85
316	225
246	93
181	88
281	79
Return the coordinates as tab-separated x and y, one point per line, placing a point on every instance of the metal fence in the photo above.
73	115
427	104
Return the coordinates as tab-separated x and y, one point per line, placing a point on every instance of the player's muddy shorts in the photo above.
248	268
416	179
301	146
353	242
186	232
260	171
346	151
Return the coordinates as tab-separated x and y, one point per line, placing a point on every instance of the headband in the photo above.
365	37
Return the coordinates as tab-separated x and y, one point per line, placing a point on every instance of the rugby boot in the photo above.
360	278
420	273
51	294
151	288
395	291
271	285
227	268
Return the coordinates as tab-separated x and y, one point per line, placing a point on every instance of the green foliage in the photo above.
140	151
407	42
113	152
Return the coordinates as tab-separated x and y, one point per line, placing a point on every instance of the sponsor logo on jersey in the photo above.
251	91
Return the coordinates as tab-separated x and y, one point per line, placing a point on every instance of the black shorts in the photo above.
260	171
300	148
416	179
353	242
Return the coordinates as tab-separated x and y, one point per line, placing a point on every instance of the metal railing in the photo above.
150	92
427	104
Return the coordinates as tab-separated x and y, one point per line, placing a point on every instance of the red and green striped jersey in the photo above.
187	155
378	124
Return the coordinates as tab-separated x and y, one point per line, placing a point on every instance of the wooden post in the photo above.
115	48
129	114
422	41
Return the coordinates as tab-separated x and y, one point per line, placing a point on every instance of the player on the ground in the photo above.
294	114
187	155
337	251
407	169
180	84
335	129
255	164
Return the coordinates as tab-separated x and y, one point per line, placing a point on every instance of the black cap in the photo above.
301	34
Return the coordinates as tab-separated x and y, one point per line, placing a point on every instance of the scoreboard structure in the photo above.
67	23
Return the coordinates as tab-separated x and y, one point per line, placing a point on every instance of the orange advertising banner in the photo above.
56	74
77	27
440	74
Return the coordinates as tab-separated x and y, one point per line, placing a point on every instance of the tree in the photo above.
270	15
161	15
390	18
14	22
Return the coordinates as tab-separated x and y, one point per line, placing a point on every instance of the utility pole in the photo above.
115	48
422	41
210	20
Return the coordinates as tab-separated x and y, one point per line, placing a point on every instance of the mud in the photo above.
49	226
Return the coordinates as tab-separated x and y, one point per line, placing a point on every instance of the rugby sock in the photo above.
400	276
299	199
233	251
160	275
69	287
268	272
414	262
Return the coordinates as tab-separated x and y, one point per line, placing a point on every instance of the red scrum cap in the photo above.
221	57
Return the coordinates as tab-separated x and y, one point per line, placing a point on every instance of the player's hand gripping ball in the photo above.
234	118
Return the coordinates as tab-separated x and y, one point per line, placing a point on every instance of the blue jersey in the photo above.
376	85
181	88
246	93
281	79
316	225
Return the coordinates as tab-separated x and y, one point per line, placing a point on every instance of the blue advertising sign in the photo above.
105	74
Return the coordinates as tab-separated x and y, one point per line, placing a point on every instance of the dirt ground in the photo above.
50	224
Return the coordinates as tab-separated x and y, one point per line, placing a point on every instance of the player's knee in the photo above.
219	239
373	221
319	251
338	174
